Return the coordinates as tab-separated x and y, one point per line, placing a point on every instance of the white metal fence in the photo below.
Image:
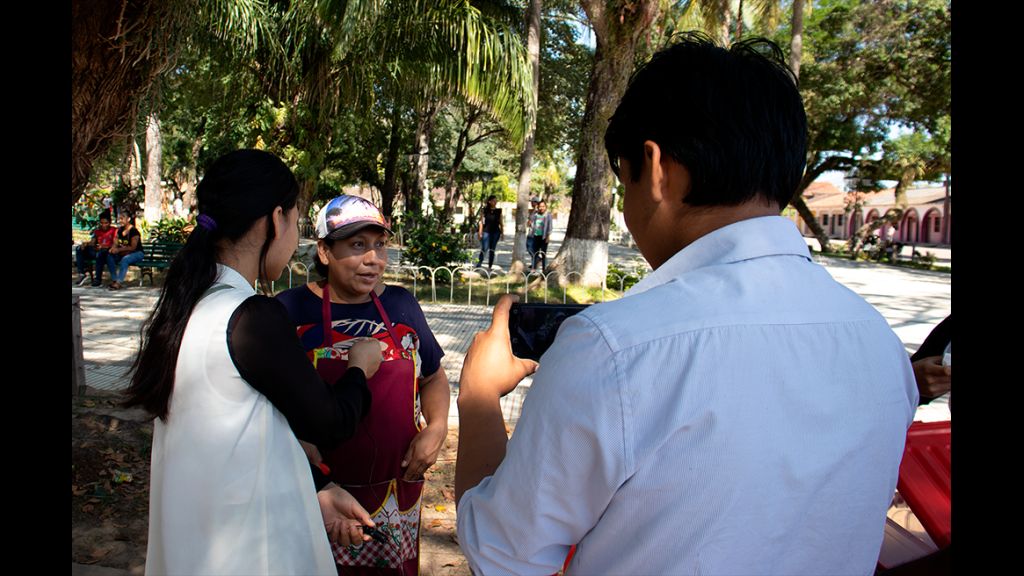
475	278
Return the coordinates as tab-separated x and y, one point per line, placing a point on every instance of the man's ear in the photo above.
653	165
670	180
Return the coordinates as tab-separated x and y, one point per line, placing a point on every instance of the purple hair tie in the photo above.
207	222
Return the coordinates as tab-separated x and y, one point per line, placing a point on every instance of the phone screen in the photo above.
533	327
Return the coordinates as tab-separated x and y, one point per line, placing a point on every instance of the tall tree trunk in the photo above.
796	49
387	190
154	163
131	173
618	31
796	43
118	49
462	146
188	196
739	22
812	222
316	149
307	189
724	18
407	185
421	157
526	159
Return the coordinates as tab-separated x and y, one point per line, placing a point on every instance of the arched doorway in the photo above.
931	227
856	221
909	227
872	216
884	231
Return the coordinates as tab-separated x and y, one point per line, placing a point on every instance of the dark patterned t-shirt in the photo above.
350	321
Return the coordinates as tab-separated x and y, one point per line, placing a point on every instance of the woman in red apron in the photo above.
383	464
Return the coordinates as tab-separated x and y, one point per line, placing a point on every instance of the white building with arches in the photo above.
926	221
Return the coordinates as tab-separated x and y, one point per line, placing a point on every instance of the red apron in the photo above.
369	464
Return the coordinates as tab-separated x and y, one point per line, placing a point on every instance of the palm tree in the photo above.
526	159
317	56
119	48
723	20
412	51
796	51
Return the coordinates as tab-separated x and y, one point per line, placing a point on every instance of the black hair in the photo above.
105	215
734	118
129	214
239	189
321	268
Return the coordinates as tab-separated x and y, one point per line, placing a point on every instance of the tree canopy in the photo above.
409	95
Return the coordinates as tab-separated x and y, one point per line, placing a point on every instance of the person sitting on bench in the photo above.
95	249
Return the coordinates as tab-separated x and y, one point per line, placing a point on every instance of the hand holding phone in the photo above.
532	327
490	368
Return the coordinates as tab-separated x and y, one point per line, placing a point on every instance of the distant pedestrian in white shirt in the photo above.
738	411
178	207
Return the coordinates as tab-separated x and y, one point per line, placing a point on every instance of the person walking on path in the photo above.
539	235
489	231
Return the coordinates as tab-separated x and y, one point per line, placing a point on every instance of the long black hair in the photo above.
238	190
129	214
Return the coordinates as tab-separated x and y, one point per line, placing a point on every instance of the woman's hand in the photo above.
933	379
343	516
423	451
366	354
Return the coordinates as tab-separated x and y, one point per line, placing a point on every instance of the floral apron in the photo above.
369	464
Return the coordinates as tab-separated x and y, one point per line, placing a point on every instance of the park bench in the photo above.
157	256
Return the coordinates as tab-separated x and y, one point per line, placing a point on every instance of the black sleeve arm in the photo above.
319	478
935	343
265	349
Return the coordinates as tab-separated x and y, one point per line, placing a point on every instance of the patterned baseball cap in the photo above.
346	215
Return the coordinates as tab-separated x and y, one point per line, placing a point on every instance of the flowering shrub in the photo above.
431	242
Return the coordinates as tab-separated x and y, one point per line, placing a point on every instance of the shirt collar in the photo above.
743	240
231	277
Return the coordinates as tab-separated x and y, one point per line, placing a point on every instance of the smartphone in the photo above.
533	327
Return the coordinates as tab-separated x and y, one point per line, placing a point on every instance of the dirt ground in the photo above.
110	450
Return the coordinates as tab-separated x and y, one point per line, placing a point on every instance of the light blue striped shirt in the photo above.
737	412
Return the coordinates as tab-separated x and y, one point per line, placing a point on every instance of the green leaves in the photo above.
431	242
872	65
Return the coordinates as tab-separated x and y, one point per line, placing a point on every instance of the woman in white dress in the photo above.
223	372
